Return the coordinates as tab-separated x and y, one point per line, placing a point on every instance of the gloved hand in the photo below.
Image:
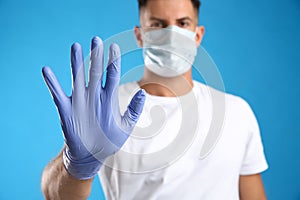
92	125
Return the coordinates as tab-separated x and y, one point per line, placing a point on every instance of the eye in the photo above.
156	25
184	24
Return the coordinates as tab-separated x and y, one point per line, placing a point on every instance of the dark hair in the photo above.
196	4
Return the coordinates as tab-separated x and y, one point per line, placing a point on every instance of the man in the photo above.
158	161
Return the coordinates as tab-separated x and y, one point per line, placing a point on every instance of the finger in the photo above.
134	109
60	98
113	69
77	65
96	66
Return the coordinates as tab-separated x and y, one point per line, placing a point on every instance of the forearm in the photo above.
59	185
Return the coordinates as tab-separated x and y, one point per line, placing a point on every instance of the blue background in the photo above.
255	44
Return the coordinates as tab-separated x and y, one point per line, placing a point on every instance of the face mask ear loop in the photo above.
196	32
142	32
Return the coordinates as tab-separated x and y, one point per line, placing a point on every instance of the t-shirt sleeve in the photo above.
254	161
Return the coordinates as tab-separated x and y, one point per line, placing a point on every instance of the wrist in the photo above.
81	169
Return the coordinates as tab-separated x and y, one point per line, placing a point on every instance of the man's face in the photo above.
164	13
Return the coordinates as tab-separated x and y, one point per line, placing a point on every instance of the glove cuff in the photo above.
82	170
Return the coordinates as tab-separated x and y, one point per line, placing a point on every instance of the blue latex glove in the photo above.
92	125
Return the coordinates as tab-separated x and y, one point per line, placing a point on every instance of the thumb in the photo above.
135	107
56	91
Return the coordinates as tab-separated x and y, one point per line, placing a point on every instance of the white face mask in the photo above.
170	51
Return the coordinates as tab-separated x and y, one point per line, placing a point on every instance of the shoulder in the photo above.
233	105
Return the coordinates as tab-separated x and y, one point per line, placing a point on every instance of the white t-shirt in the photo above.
192	147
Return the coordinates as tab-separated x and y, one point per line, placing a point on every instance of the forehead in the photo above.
168	9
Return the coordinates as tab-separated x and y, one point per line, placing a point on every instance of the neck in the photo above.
167	87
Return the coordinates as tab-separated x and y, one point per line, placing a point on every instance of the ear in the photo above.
138	36
199	35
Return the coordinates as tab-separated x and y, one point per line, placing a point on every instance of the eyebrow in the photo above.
164	21
157	19
185	18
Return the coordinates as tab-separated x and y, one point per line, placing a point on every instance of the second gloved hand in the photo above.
92	124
